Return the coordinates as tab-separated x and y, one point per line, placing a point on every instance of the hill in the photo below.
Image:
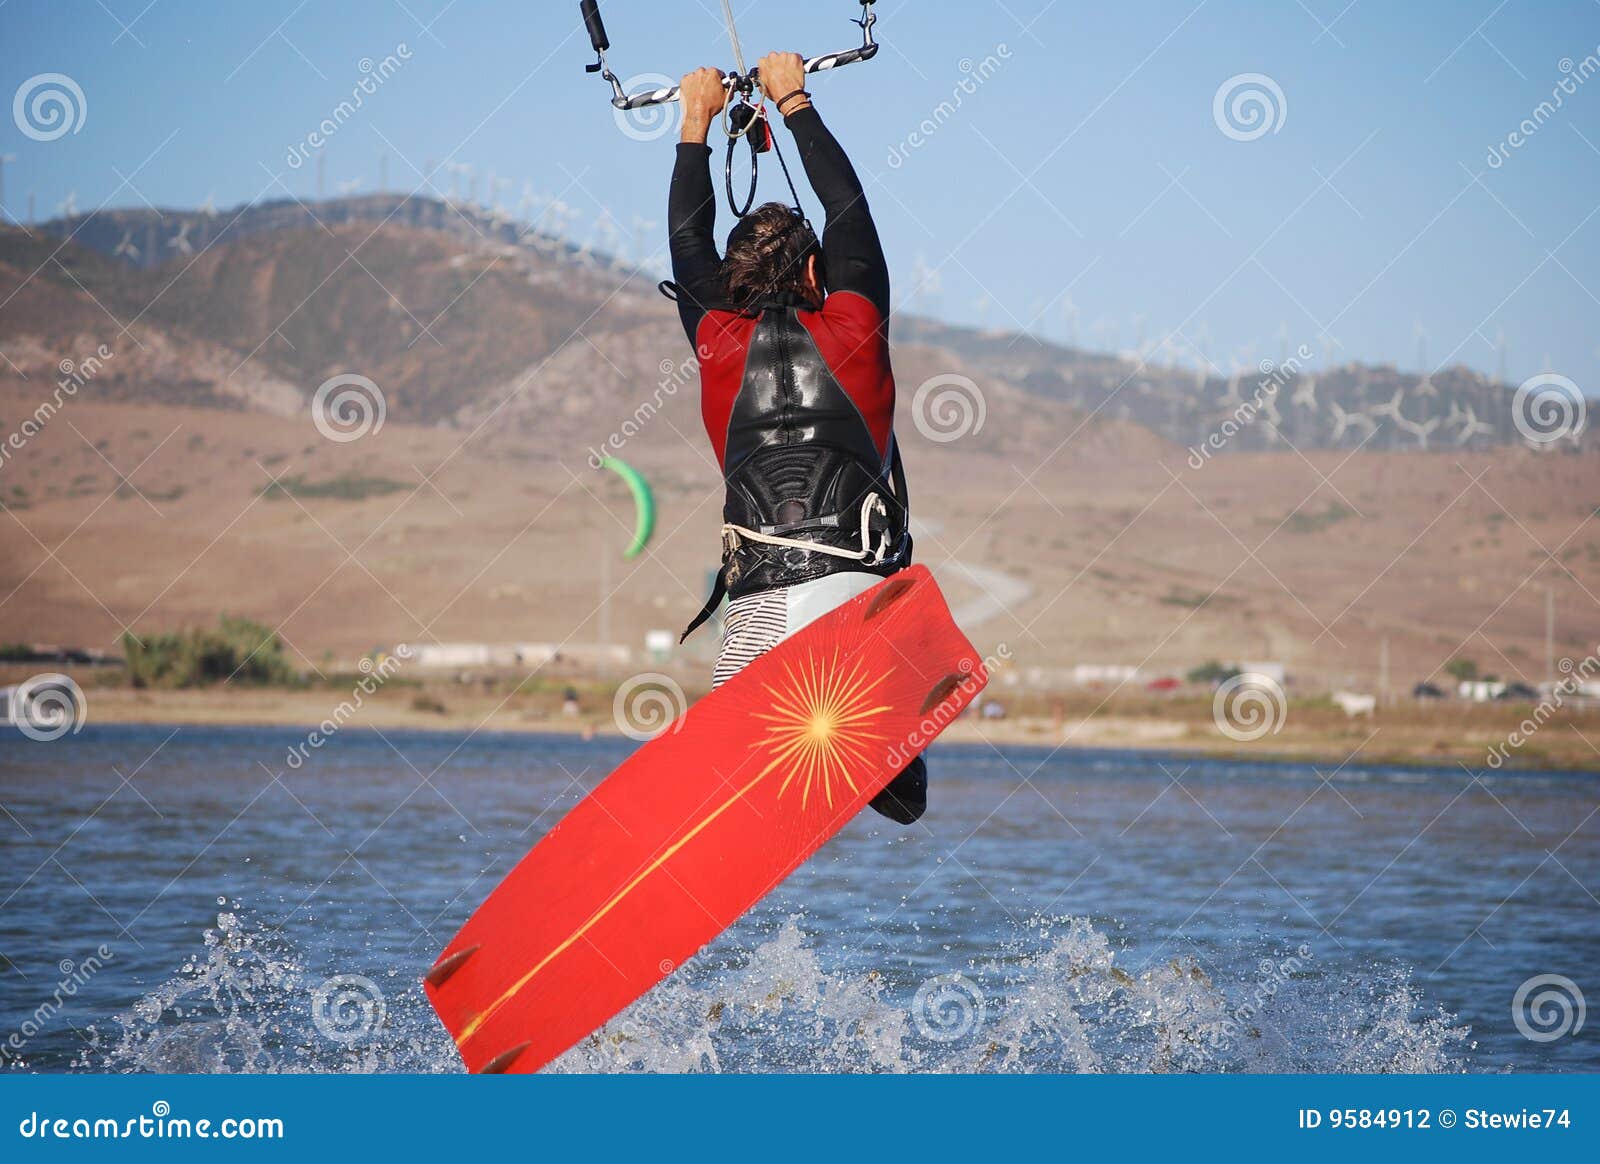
188	477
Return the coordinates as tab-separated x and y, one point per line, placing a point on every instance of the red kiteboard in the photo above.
701	823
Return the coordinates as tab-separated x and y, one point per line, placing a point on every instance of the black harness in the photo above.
801	466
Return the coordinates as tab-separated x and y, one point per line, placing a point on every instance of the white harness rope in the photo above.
868	554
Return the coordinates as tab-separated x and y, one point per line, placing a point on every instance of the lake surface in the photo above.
182	900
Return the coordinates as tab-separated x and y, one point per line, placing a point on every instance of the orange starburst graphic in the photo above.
820	726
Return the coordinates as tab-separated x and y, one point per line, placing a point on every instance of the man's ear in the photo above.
812	280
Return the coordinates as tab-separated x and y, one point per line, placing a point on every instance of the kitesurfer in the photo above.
797	393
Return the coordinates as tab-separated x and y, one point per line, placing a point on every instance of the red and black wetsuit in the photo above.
798	403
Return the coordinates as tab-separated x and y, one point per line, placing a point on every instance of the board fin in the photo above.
888	594
944	689
502	1062
442	969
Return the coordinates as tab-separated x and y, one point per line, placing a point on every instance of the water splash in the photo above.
1055	1000
248	1005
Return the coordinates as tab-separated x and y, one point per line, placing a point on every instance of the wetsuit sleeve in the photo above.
691	221
850	244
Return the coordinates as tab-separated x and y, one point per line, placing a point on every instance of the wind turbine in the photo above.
209	206
560	215
348	187
643	229
1269	406
1391	408
69	205
1473	427
926	283
1342	420
1231	396
1069	316
1202	344
180	241
606	236
125	248
1421	431
1426	387
1305	394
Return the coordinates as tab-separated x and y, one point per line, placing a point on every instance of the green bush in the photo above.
346	487
238	651
1212	672
1301	522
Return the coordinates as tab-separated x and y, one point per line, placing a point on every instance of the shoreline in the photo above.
1405	736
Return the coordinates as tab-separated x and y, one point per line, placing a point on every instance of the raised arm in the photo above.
850	243
692	205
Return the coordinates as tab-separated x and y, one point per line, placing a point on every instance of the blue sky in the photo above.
1084	189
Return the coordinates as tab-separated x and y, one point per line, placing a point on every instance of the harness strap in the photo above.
733	535
871	506
719	591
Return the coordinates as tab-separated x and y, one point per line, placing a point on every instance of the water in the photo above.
180	900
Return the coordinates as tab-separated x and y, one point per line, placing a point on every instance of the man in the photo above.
796	389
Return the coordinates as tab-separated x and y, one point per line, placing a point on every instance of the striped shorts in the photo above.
758	622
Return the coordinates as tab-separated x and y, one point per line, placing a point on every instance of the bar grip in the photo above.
596	26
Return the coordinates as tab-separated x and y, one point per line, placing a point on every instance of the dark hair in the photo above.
766	257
